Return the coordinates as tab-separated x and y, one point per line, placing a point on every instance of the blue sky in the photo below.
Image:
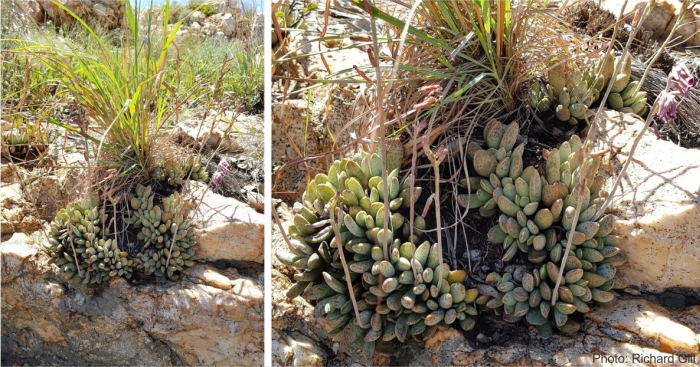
245	3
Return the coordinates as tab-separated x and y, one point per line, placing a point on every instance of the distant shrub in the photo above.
206	9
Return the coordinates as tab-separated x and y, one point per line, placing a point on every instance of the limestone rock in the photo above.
227	6
16	213
219	137
258	35
225	228
661	19
15	253
11	173
298	127
105	13
654	331
35	11
49	194
658	207
47	321
295	349
228	24
197	17
208	276
653	325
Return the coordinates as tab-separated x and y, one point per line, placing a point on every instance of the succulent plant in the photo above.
18	143
536	213
500	161
80	246
539	99
165	232
569	93
370	285
625	94
175	173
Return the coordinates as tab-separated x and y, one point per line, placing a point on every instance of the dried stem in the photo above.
650	118
435	161
338	212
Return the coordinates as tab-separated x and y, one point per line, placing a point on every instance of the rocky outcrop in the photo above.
621	332
228	22
105	13
207	317
662	17
16	214
225	228
658	207
300	128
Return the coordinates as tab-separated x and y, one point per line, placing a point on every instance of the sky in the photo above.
245	3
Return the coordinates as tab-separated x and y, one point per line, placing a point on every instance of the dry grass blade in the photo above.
337	212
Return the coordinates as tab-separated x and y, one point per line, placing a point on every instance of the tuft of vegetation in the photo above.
168	243
535	213
115	96
433	79
81	245
204	7
362	262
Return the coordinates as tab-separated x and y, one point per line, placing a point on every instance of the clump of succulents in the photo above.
80	245
570	94
371	285
625	94
176	172
536	214
165	232
19	143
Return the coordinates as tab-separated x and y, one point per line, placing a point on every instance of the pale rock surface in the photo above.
227	6
49	194
258	36
328	115
16	213
228	24
662	17
296	333
649	322
47	321
295	349
449	347
225	228
197	17
220	136
106	13
207	275
11	173
658	207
